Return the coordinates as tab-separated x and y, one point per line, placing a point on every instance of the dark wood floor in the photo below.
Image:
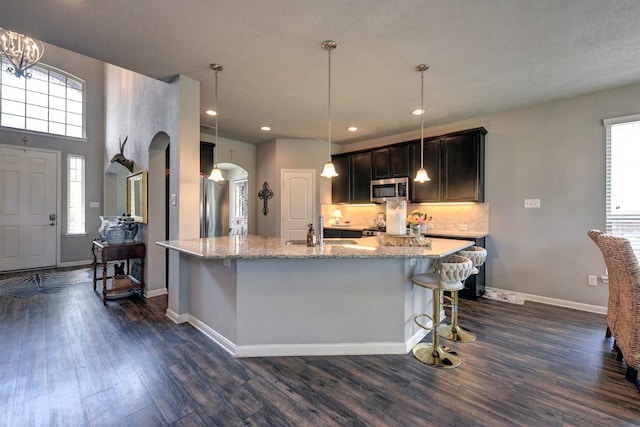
65	359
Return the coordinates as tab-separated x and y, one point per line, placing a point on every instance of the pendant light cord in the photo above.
329	104
215	162
421	122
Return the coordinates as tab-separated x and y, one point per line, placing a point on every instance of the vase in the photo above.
414	230
115	235
107	221
130	231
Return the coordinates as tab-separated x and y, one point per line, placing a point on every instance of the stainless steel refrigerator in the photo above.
214	208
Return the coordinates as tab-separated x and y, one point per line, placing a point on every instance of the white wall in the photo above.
554	152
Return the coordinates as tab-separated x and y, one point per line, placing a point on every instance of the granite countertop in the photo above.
259	247
454	233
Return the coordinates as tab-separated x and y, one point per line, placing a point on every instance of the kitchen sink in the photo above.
326	242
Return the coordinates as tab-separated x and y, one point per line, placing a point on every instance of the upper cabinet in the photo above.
340	185
427	191
353	183
462	173
454	162
361	177
390	162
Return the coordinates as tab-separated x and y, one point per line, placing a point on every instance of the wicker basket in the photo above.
121	282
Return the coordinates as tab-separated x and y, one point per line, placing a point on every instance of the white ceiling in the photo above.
485	55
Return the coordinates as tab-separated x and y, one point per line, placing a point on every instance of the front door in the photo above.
28	207
298	195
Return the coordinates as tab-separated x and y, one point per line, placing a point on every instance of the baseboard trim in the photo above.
279	350
87	263
175	317
557	302
156	293
214	336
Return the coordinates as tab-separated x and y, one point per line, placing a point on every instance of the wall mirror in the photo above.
137	196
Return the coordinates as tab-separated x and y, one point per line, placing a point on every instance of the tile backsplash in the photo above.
446	217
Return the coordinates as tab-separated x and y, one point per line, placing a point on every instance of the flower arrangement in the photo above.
417	218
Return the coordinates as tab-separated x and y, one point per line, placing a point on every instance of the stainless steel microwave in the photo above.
393	188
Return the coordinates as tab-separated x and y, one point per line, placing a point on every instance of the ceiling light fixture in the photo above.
265	128
216	173
417	112
421	175
352	128
22	51
211	112
329	170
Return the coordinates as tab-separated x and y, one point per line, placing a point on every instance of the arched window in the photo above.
51	101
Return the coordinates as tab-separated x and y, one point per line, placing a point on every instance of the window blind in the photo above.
75	194
622	178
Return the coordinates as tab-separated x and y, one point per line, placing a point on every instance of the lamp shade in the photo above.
216	175
329	171
422	176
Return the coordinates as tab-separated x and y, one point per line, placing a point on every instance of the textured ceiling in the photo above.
485	55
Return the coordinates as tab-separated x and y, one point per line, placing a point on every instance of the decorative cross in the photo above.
265	194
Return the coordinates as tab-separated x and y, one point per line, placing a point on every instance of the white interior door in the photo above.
28	208
298	207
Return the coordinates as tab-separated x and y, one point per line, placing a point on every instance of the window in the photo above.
623	175
75	194
51	101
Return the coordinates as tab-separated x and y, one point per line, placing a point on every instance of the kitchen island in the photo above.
259	296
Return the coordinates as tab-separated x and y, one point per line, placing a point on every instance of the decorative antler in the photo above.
120	158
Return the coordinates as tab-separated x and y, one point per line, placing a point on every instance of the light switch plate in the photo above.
531	203
94	204
173	199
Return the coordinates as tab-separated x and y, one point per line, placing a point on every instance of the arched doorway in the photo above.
158	215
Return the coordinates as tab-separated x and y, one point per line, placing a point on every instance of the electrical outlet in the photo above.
531	203
173	199
592	280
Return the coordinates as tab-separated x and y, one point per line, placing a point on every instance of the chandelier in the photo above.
22	51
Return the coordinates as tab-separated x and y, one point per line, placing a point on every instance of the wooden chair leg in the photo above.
607	334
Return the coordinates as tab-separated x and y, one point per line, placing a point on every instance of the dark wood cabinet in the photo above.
340	185
390	162
380	164
353	183
426	191
475	284
361	177
462	172
399	161
454	162
345	234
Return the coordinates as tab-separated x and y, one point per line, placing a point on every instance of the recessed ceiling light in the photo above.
265	128
417	112
211	112
352	128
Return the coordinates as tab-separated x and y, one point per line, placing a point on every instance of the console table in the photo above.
112	253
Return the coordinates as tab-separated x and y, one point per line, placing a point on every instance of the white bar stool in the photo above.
454	331
453	271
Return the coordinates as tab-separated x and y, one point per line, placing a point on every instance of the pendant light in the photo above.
216	173
329	170
421	175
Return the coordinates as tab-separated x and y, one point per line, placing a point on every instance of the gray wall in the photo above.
554	152
76	249
274	156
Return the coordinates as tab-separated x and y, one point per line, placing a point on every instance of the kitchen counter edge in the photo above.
260	247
